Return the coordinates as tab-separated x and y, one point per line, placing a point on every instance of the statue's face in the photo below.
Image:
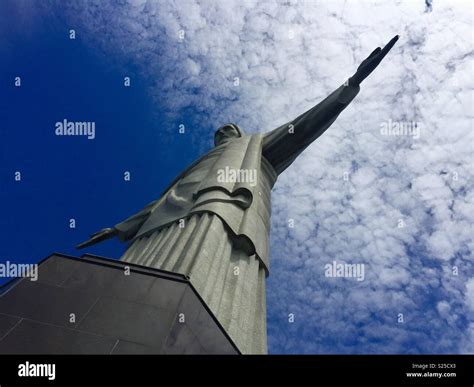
225	134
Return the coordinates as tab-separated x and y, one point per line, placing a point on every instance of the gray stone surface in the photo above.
114	313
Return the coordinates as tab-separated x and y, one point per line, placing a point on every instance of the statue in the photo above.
212	223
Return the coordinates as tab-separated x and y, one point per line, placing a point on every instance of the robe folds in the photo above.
243	206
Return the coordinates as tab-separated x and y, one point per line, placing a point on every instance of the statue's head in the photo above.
226	133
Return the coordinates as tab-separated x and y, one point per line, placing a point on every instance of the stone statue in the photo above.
212	223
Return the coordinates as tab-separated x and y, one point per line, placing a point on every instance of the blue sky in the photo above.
70	177
259	65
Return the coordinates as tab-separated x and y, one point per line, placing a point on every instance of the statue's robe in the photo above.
217	232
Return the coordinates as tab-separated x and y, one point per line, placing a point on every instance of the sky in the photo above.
401	205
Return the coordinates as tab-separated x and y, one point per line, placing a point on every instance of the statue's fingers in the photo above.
370	58
375	52
388	46
82	245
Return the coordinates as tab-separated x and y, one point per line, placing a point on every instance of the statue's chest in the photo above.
196	174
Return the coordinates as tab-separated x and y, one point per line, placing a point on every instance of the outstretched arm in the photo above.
282	145
124	230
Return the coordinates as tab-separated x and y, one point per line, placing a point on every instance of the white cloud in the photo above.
470	294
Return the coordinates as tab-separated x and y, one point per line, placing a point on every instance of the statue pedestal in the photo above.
93	305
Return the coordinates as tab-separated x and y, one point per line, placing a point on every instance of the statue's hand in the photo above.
371	62
97	237
103	232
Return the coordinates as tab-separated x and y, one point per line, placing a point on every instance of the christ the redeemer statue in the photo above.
216	230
